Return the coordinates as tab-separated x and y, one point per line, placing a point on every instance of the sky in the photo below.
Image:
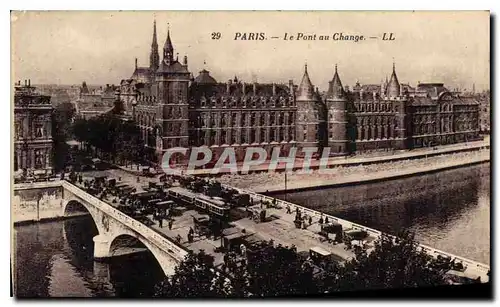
100	47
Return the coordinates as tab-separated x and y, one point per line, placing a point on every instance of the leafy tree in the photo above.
278	271
393	263
62	117
194	277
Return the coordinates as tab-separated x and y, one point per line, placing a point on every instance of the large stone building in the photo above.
173	109
33	130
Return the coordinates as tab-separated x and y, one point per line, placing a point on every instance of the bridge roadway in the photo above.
113	224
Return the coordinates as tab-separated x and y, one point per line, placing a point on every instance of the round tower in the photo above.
336	103
309	114
399	101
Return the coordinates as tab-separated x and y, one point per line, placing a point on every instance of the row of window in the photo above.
236	136
234	119
41	157
38	130
250	102
374	107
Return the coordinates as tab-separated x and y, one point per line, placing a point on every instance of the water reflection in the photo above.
56	259
448	210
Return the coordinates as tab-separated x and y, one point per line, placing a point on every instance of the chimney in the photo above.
185	60
25	82
255	88
290	85
135	63
29	82
243	88
274	89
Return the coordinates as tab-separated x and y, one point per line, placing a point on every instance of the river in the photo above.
55	259
448	210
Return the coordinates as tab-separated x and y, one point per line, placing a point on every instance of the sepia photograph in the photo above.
250	154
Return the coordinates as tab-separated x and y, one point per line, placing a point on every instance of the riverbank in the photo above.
49	217
274	183
48	208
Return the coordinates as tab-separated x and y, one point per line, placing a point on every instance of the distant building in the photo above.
96	101
484	113
174	109
33	146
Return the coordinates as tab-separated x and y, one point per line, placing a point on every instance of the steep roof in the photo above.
393	89
306	89
335	88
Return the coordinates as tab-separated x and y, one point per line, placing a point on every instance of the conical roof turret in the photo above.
306	89
335	89
393	89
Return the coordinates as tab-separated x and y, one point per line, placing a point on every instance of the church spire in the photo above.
168	49
154	57
306	89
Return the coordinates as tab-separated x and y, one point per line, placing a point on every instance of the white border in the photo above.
185	5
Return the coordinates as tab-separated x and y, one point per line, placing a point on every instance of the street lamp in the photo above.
286	192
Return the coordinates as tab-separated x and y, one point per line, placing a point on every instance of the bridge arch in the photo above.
132	239
74	206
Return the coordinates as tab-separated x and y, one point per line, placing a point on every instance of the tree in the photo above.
278	271
393	263
62	117
194	277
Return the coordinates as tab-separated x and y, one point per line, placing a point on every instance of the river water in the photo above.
448	210
56	260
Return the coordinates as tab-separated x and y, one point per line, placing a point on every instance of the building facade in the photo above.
175	109
33	146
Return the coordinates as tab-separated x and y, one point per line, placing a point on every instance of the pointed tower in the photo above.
309	114
168	50
336	104
393	88
154	57
397	130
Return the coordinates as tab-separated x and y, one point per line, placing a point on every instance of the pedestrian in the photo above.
170	223
326	220
320	220
310	220
288	210
190	238
160	219
138	179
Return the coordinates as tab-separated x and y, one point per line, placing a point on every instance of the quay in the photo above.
170	244
351	161
366	175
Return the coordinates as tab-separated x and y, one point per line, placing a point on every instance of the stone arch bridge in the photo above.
113	226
